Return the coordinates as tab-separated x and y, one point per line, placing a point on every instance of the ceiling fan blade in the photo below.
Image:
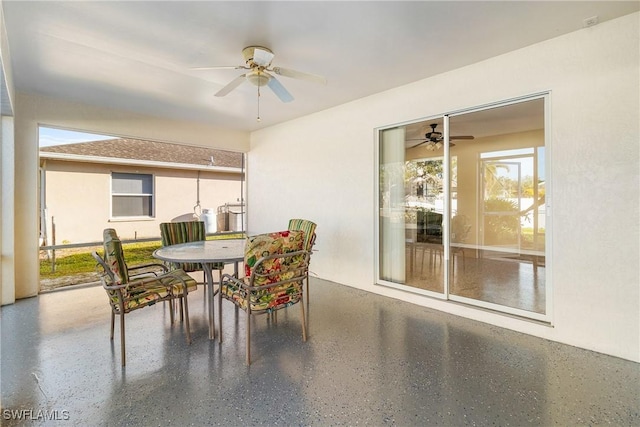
279	90
262	57
462	137
232	85
299	75
222	67
418	144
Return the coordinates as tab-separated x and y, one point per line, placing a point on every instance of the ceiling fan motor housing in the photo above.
249	53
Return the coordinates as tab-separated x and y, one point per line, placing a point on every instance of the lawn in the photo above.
77	266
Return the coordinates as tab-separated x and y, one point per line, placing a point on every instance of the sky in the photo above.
52	136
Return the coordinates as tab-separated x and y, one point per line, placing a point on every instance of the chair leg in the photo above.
308	290
464	267
249	337
220	313
453	263
302	318
122	345
186	318
113	321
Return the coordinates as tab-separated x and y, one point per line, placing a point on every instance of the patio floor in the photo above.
368	360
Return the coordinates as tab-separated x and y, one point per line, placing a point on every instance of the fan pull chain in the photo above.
258	103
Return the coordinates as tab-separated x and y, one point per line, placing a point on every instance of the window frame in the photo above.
112	194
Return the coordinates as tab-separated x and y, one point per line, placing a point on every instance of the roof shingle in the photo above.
138	149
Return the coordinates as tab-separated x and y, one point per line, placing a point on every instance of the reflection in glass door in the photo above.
501	201
497	238
411	208
425	209
466	221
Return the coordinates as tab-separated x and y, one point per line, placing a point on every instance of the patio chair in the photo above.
173	233
276	265
460	228
128	292
309	229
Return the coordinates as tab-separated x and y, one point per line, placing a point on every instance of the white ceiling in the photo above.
138	55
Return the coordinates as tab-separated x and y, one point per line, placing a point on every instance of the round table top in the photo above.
208	251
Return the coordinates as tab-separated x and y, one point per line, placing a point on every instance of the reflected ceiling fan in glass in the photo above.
435	139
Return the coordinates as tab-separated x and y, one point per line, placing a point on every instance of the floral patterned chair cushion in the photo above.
138	293
264	245
138	296
114	256
268	272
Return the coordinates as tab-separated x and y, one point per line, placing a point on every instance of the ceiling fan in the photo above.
435	138
258	62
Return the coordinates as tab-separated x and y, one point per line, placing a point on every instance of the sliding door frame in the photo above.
547	316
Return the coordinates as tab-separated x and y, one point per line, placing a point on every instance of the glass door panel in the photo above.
411	208
425	208
497	245
461	212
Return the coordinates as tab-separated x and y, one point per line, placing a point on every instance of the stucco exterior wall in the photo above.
32	111
592	78
78	198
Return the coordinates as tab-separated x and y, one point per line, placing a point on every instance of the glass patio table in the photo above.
206	253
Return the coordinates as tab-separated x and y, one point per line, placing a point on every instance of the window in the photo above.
131	195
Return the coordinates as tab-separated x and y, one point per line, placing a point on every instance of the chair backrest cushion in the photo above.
308	227
460	228
114	256
263	245
174	233
195	231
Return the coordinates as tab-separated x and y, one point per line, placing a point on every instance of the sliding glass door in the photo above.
462	207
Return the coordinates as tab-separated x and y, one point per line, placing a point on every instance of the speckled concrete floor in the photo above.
369	360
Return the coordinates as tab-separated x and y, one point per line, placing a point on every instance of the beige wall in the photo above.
79	199
593	176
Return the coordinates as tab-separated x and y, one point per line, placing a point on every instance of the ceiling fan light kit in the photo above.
258	78
258	60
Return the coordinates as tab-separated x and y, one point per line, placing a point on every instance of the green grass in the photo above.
81	262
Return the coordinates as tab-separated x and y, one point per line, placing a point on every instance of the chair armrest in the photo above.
300	269
150	265
147	290
107	273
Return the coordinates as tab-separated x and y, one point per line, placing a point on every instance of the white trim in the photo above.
446	208
134	162
502	309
